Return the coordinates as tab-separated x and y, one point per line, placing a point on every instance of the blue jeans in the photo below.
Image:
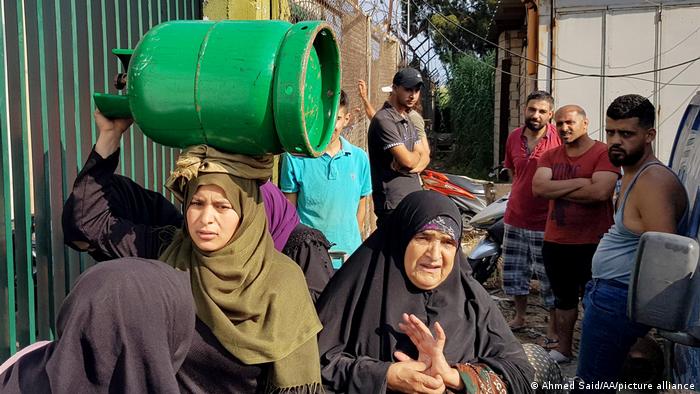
606	333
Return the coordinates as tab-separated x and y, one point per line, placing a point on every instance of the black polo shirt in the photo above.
387	130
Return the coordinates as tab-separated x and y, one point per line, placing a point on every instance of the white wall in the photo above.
618	40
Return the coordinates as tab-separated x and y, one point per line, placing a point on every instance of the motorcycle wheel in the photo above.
466	218
482	269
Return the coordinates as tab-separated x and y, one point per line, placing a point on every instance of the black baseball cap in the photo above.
408	78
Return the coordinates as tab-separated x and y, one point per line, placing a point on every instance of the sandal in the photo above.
548	343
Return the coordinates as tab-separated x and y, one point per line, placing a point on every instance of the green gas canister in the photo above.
248	87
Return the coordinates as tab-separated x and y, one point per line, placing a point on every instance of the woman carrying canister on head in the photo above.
406	277
244	324
111	216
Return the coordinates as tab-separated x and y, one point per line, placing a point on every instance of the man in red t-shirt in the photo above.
526	214
579	181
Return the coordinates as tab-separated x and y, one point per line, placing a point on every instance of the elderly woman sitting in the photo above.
409	275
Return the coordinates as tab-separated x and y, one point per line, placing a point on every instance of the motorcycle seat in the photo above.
466	184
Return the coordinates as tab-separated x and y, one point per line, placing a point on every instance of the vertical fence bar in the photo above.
69	128
110	36
180	13
98	72
52	148
91	64
20	146
145	151
122	159
135	134
36	111
110	40
7	272
124	8
131	17
20	136
152	146
87	85
76	45
158	150
47	152
82	89
104	21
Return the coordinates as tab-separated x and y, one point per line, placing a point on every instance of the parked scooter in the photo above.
468	194
484	257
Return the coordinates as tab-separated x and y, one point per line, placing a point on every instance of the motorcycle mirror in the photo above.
666	273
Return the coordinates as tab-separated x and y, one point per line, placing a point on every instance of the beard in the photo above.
620	158
533	125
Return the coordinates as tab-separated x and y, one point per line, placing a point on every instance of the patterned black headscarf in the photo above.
363	303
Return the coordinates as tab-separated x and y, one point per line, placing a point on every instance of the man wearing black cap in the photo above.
392	139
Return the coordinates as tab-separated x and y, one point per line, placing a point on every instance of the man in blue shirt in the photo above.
331	191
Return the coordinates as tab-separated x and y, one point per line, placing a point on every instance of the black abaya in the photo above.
363	303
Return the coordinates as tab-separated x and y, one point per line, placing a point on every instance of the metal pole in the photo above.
388	17
408	17
408	27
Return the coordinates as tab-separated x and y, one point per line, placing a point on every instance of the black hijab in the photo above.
363	303
125	327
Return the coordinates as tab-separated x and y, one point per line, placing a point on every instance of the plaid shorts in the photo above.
522	254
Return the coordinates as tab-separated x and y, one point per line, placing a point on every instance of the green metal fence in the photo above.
54	55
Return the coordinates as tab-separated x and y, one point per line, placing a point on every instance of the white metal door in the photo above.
613	41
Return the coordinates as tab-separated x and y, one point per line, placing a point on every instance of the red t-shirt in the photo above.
570	222
525	210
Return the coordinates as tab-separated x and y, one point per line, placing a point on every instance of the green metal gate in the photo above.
54	55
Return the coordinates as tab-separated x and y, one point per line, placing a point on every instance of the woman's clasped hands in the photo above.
430	373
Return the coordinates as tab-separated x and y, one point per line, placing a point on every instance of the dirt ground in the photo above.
537	315
537	318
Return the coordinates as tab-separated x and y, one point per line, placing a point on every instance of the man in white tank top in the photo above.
651	198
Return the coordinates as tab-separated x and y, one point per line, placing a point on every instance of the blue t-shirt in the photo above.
329	191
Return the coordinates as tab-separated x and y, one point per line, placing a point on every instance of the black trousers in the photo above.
568	268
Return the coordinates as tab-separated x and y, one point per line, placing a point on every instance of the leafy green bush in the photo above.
470	104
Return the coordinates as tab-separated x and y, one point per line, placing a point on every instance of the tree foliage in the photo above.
447	16
465	107
471	108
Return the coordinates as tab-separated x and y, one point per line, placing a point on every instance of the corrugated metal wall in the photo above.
55	55
614	37
630	39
